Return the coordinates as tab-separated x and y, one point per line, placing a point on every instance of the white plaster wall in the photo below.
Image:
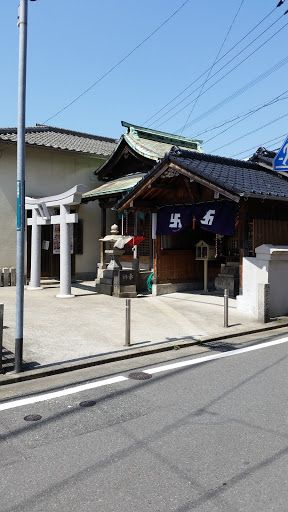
269	267
48	172
8	205
90	214
253	272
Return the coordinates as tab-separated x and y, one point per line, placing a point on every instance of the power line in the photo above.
118	63
250	133
259	145
200	76
240	115
243	89
221	78
251	113
212	128
210	70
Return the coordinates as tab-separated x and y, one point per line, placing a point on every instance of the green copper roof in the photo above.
139	132
151	145
114	187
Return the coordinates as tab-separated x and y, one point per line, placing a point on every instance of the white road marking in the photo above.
215	356
62	392
83	387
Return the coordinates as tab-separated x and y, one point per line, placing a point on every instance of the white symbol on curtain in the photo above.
208	218
175	221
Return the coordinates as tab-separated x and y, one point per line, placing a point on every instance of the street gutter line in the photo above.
120	378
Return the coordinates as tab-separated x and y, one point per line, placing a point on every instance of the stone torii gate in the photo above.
42	215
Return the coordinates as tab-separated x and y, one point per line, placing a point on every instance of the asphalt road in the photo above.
209	435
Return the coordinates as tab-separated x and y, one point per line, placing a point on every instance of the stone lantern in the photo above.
114	280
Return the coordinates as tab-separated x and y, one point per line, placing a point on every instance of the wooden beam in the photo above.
188	185
108	204
144	186
205	182
160	186
142	203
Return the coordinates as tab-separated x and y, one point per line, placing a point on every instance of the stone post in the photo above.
12	276
263	302
6	276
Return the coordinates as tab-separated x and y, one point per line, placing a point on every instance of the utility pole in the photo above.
22	24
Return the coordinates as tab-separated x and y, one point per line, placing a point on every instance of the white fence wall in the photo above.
265	283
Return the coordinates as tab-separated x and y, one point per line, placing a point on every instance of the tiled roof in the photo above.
59	138
263	157
114	186
243	178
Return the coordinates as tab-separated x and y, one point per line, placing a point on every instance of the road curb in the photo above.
59	368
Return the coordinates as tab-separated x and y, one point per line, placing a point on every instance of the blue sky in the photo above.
71	44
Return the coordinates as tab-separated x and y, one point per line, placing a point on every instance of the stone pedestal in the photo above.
125	284
105	283
228	279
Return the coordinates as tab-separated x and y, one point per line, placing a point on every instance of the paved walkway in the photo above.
91	325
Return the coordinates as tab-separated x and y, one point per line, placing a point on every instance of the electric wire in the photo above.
243	89
251	113
210	70
220	79
200	76
118	63
250	133
280	137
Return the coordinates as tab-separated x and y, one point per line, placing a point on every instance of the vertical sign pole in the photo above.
226	297
22	23
128	322
206	275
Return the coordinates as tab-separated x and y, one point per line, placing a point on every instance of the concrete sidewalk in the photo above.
74	332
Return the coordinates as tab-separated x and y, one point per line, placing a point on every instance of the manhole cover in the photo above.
139	375
87	403
32	417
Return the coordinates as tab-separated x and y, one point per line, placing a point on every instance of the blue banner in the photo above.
216	216
171	219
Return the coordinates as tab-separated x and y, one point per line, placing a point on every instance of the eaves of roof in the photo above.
246	179
162	137
113	187
153	149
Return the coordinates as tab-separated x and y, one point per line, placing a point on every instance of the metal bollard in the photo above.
226	297
1	334
128	322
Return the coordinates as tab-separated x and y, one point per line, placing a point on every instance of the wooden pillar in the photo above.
157	252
